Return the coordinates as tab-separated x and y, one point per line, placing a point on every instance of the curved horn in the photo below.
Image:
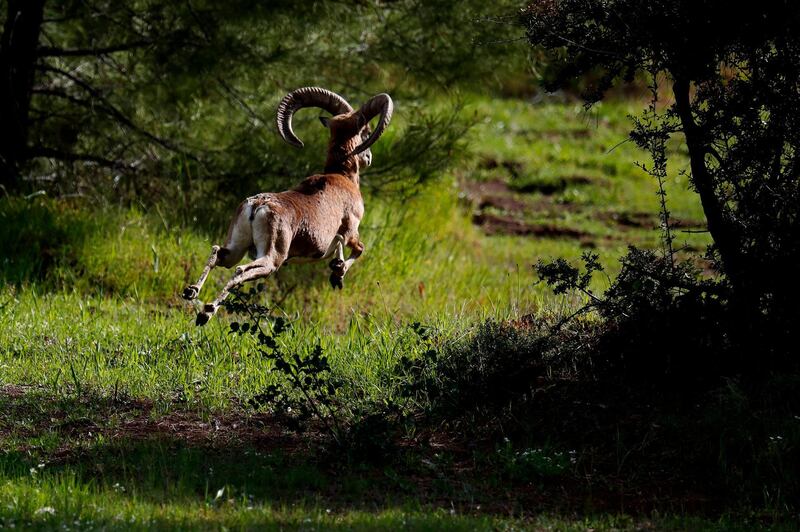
307	97
382	103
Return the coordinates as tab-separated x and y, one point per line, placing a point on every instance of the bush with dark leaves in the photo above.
661	322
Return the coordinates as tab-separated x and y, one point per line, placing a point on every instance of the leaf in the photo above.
268	341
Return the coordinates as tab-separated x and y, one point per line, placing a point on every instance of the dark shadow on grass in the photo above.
40	234
186	456
182	455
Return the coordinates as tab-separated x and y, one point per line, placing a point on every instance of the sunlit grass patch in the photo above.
576	186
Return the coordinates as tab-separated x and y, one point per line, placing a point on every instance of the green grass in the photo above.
423	242
158	484
91	313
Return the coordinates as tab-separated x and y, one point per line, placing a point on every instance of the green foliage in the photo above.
729	73
309	392
652	298
128	100
307	388
497	363
562	276
485	375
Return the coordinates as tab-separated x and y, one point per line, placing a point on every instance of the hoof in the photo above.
190	292
336	281
202	319
337	265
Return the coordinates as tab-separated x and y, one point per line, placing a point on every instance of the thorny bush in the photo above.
661	323
309	388
310	394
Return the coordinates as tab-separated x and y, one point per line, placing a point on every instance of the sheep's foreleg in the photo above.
334	248
356	249
339	266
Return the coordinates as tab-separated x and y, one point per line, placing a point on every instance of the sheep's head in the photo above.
347	132
351	135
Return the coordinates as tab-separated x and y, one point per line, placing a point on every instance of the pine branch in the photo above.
52	153
115	113
52	51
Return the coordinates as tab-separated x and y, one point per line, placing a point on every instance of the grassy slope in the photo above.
106	320
112	291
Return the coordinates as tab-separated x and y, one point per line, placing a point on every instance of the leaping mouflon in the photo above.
313	221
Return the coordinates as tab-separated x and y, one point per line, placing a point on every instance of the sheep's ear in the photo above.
326	121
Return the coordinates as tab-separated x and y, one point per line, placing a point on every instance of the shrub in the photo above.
494	369
661	323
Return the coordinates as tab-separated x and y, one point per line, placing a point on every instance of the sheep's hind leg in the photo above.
257	269
193	290
226	257
239	239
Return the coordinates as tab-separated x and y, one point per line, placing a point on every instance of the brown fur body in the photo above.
310	222
296	224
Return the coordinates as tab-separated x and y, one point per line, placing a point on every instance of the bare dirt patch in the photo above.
646	220
641	220
493	224
496	195
688	223
557	134
529	184
513	167
75	419
476	190
548	187
259	431
14	390
503	203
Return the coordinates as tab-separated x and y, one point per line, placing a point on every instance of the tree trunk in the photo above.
722	232
746	326
18	44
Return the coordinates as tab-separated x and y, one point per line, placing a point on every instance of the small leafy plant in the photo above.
309	388
525	465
